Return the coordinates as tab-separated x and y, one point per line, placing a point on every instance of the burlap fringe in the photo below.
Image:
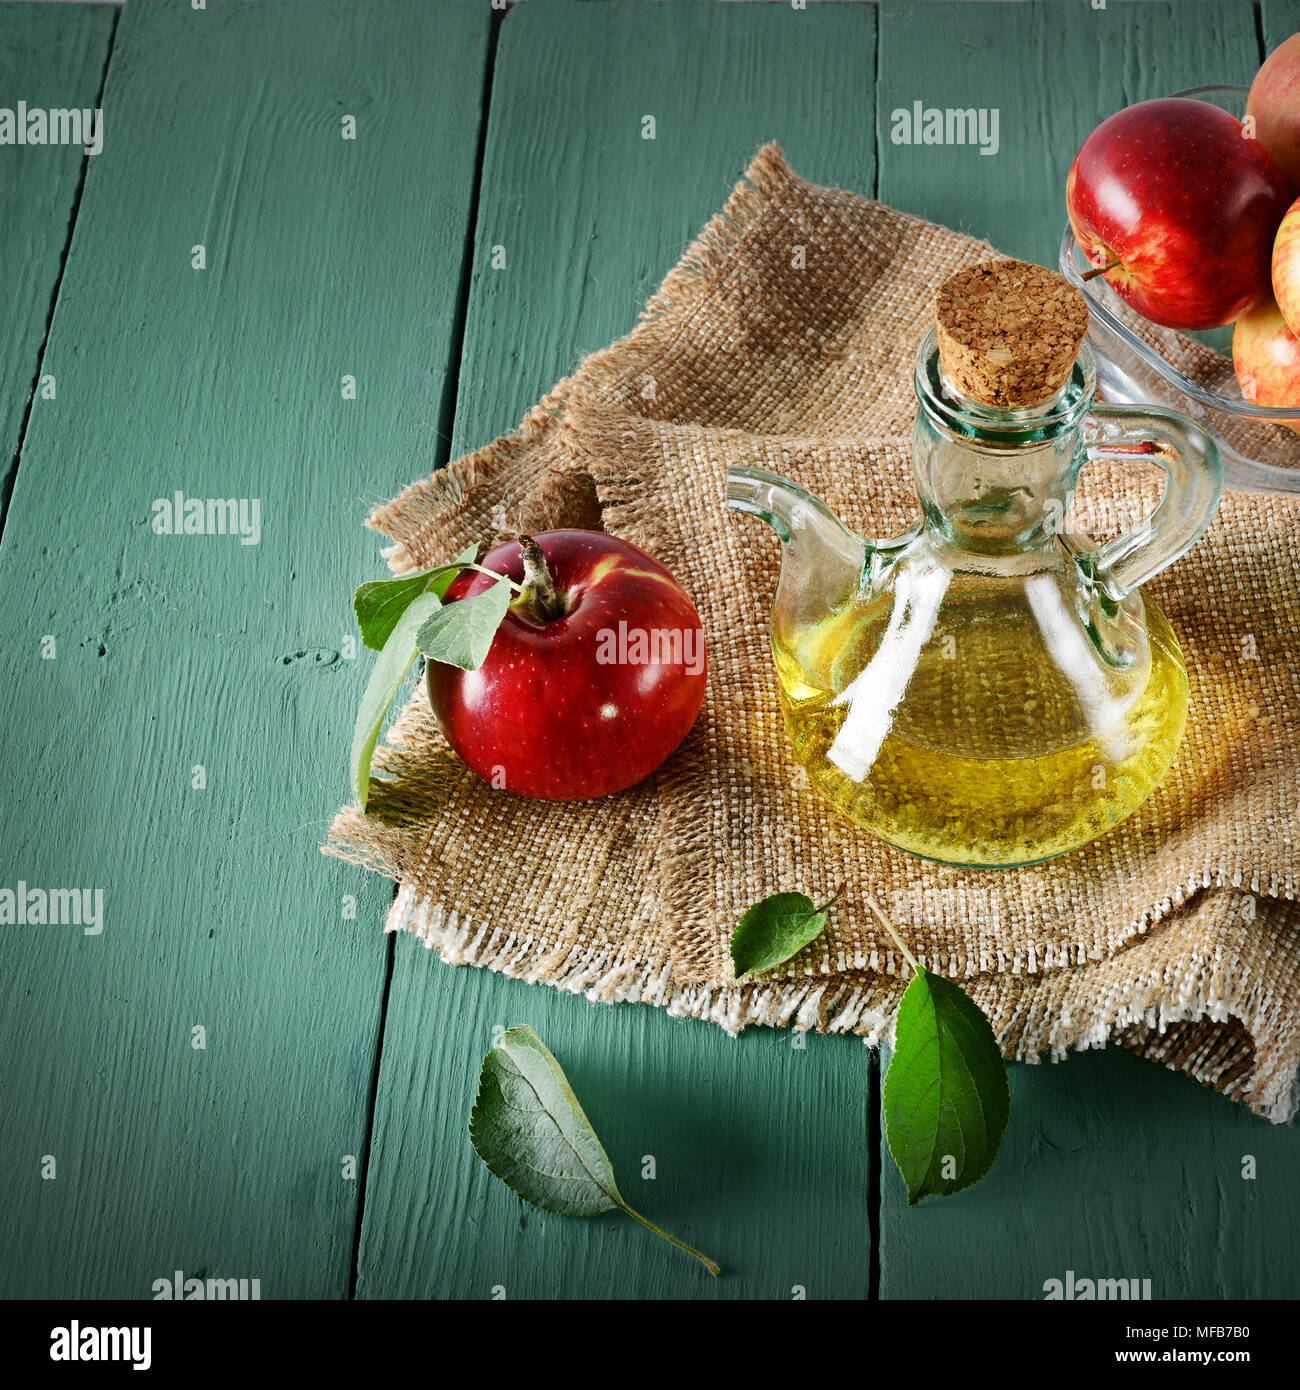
867	1007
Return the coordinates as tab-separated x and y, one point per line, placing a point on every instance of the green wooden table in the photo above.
180	706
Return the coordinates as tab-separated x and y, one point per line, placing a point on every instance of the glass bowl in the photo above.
1140	363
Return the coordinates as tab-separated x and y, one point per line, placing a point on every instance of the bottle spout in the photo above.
799	518
822	562
764	495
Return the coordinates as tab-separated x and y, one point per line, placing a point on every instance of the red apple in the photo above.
1266	357
1274	102
1286	268
1182	207
587	702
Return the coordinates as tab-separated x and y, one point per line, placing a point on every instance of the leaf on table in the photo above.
391	666
379	603
461	633
946	1099
528	1128
775	929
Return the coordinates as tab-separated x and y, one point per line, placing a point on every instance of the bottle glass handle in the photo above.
1193	482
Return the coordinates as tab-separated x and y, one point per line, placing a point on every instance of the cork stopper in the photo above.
1009	332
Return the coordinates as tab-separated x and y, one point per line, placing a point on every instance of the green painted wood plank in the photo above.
1053	71
1111	1167
52	60
1115	1168
1280	19
590	214
760	1151
325	257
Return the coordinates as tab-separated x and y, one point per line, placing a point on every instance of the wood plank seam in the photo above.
371	1102
451	387
444	427
1110	1165
875	1075
591	212
10	477
874	1172
239	1159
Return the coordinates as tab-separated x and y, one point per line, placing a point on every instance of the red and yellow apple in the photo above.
1266	357
1286	268
1274	102
1180	208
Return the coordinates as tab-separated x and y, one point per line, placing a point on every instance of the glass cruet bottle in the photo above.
985	689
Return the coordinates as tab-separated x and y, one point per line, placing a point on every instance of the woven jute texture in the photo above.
785	340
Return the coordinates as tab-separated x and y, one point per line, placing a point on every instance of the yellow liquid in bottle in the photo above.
995	756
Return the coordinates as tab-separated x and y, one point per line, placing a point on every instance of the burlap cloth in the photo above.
1176	935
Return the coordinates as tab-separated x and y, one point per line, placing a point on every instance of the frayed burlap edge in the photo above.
1141	1019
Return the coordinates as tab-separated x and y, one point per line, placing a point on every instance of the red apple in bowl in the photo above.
1286	268
1266	357
1274	102
586	693
1180	209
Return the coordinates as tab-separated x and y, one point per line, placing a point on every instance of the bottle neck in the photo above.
997	482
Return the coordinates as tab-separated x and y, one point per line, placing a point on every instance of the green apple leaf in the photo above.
381	602
461	633
775	929
528	1128
386	679
946	1100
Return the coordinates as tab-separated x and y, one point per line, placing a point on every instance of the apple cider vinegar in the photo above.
993	759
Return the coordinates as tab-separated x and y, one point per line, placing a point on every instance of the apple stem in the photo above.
539	587
1098	270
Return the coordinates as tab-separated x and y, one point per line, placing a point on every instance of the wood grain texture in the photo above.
1280	19
760	1151
1111	1167
325	257
50	61
328	258
590	214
